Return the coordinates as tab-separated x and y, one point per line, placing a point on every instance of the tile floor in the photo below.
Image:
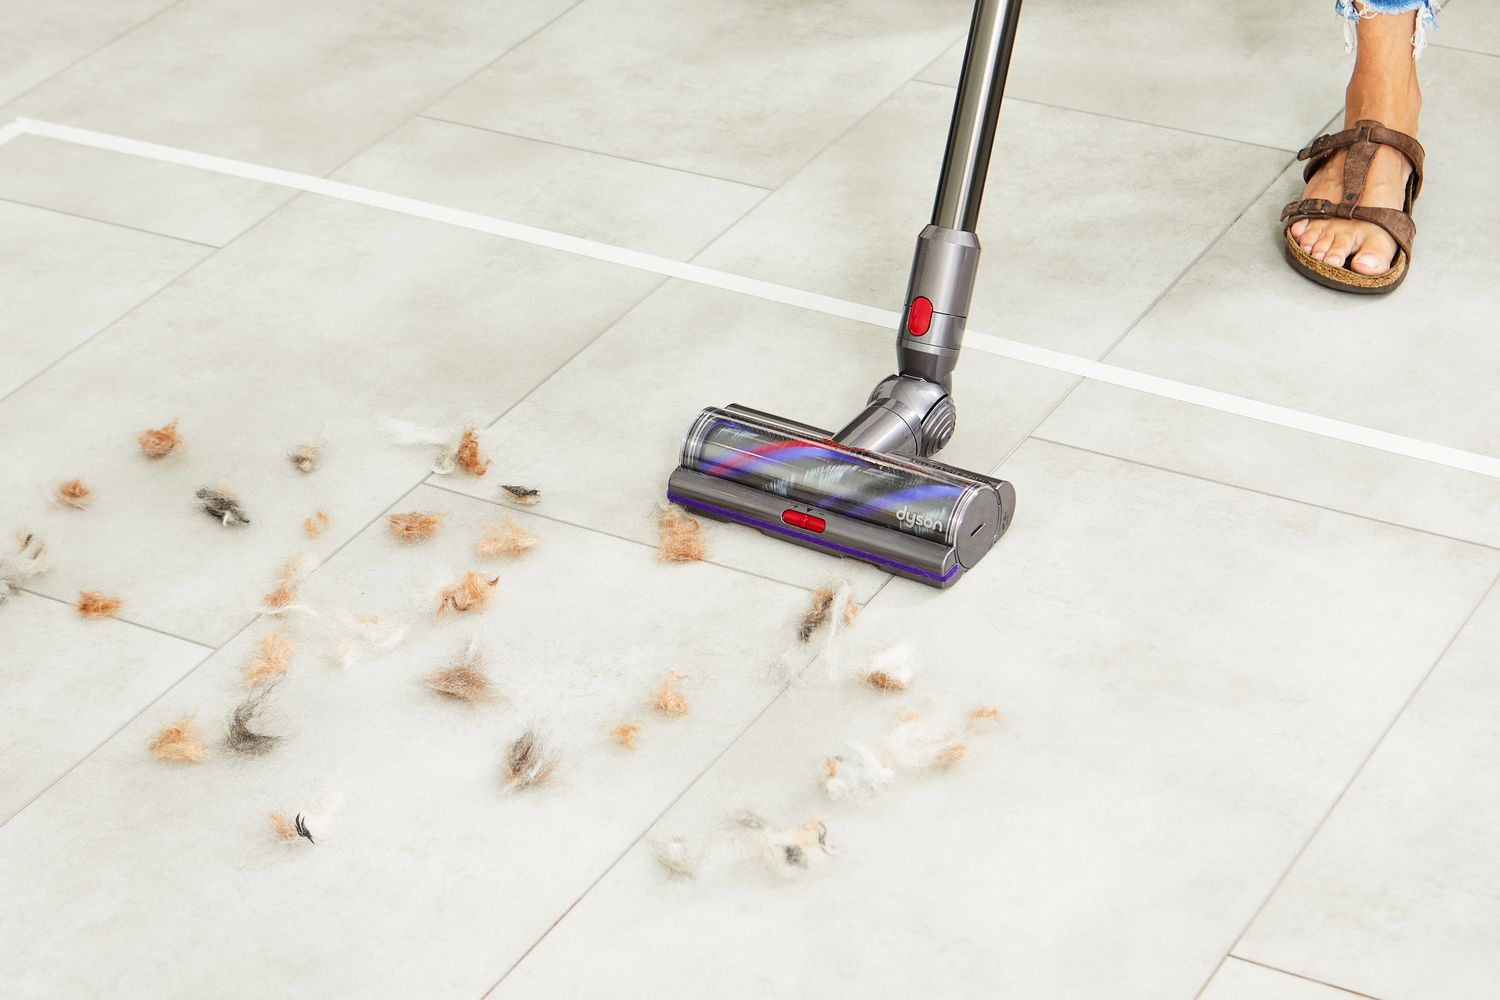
1247	748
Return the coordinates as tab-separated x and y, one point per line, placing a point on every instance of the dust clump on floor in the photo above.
505	538
857	773
159	442
891	669
464	680
625	734
306	457
288	586
314	526
523	496
273	652
414	526
528	763
679	536
28	560
179	742
667	699
220	503
74	494
471	593
94	606
678	857
467	454
240	734
281	826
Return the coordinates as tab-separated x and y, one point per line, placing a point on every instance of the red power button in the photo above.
919	316
809	522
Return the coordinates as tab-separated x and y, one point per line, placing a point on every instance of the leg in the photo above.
1383	86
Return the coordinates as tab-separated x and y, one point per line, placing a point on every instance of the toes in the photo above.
1340	248
1375	254
1298	228
1325	243
1311	233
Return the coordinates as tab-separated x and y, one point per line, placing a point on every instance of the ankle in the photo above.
1393	99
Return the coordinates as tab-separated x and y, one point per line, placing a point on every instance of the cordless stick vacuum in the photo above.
872	491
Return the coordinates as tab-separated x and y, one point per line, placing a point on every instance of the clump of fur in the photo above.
273	652
625	734
528	763
179	742
287	589
314	526
305	457
890	669
471	593
222	505
505	538
522	496
667	699
678	857
919	743
29	560
464	680
239	734
467	454
94	606
73	494
857	773
159	442
678	535
818	612
414	526
282	826
360	634
789	851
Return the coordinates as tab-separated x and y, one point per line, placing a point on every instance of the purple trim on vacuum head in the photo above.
755	522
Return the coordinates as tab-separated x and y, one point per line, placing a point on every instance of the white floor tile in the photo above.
428	879
40	39
1271	73
1078	238
735	89
291	84
1238	980
182	202
1175	725
598	197
67	278
601	437
1399	894
68	684
326	318
1288	463
1469	26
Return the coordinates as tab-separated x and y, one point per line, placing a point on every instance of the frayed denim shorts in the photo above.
1427	11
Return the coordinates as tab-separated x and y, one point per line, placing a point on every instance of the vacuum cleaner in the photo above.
872	491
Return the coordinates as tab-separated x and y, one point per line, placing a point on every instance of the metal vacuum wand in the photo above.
912	412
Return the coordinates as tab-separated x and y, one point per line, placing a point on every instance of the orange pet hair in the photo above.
283	827
285	594
94	606
505	538
980	714
159	442
305	457
678	535
666	699
949	755
471	593
625	733
464	680
74	494
851	612
180	742
414	526
314	526
272	654
883	681
817	613
468	456
528	763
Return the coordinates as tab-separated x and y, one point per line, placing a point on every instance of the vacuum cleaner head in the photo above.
913	517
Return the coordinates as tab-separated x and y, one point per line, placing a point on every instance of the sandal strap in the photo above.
1399	224
1361	140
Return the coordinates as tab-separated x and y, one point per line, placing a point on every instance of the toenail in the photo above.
1369	261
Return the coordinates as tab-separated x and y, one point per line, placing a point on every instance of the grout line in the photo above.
1265	493
1375	747
1119	118
592	152
125	621
107	222
1099	371
126	724
9	131
1309	979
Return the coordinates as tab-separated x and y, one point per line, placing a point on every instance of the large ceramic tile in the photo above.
326	318
182	202
598	197
1238	980
40	39
297	85
442	877
1398	896
1468	25
736	89
603	434
1419	362
66	279
1175	724
1270	73
1078	240
68	684
1289	463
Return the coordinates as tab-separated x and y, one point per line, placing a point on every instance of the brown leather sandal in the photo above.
1360	141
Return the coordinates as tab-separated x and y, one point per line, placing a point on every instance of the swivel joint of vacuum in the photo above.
937	304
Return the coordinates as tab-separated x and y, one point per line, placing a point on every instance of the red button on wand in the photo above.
919	316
